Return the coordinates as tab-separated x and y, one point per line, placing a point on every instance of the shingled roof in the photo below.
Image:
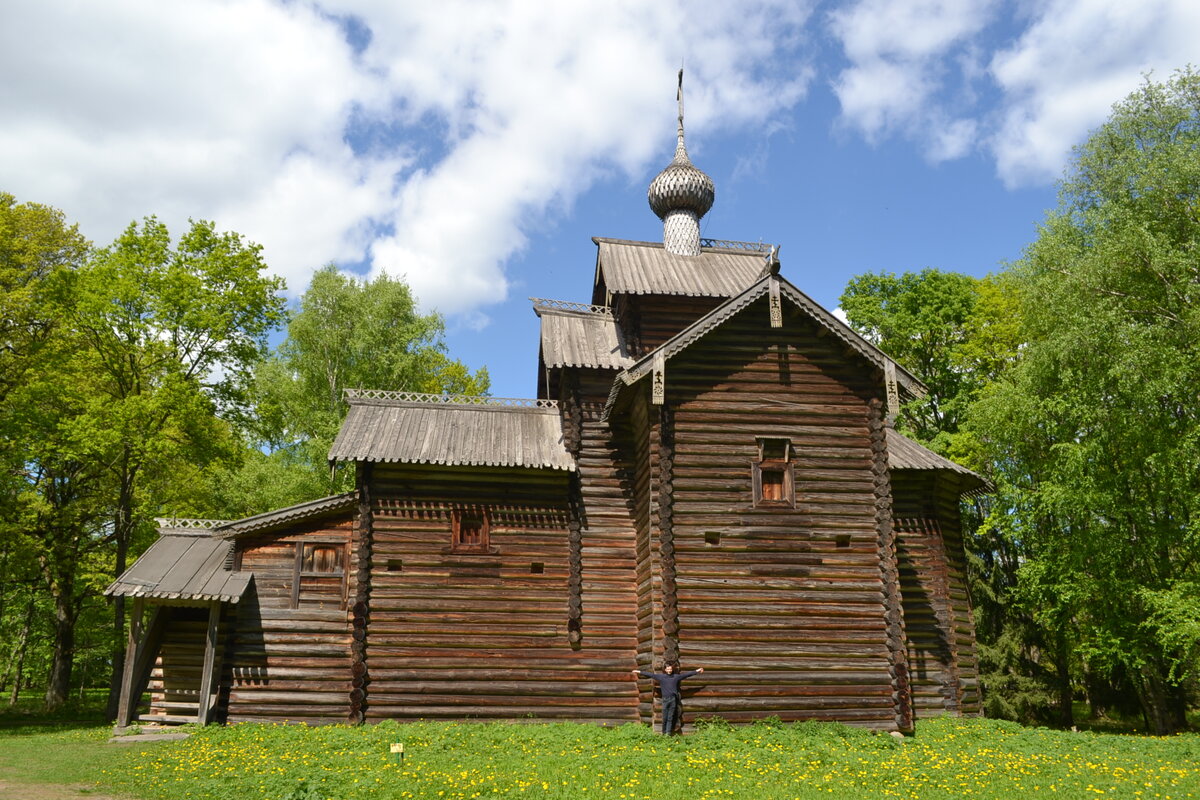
285	516
452	430
186	564
625	267
904	453
575	335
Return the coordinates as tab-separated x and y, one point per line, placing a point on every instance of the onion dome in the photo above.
680	195
681	186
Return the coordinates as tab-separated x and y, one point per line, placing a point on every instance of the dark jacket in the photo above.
669	684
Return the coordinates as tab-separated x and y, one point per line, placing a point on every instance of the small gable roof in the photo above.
908	383
575	335
187	563
406	427
626	267
286	516
904	453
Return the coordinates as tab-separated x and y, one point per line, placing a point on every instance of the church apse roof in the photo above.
452	430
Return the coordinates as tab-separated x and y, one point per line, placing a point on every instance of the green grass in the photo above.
949	758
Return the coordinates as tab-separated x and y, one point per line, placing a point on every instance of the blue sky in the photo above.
477	148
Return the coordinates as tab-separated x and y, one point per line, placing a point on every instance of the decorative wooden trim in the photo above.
573	439
360	612
774	303
893	391
658	383
666	534
889	568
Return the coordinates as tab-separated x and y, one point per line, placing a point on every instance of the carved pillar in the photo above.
893	609
573	439
360	611
666	535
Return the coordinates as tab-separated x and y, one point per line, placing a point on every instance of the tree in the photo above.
954	331
1105	392
347	333
148	356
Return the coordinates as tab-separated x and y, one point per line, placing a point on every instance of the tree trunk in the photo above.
122	530
1066	697
1153	694
17	663
59	685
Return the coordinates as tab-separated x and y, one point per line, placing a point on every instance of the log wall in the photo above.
785	607
487	635
937	611
290	654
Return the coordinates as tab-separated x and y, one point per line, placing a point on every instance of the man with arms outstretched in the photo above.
668	682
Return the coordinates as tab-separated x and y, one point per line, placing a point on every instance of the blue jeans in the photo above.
670	713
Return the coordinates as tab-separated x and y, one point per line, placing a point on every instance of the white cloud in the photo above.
901	54
494	117
1076	59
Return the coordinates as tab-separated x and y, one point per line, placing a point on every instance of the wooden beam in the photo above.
210	655
144	641
125	709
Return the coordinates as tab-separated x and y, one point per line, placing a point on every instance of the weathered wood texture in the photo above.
649	320
291	648
937	611
486	635
176	676
785	607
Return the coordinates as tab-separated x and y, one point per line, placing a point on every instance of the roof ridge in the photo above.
429	398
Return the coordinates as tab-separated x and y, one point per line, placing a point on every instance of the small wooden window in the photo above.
322	559
471	532
773	474
320	575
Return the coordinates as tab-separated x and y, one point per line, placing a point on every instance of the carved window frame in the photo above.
774	459
471	519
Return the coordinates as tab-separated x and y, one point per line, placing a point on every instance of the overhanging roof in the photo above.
285	516
451	430
580	336
185	564
627	267
904	453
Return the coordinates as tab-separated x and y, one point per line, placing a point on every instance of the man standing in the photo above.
668	683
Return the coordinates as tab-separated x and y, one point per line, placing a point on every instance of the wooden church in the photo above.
708	475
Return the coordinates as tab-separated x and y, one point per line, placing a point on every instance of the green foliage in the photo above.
347	333
1094	434
946	759
953	331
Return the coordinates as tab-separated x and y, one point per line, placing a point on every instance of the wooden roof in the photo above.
451	430
285	516
625	267
580	336
904	453
185	564
681	341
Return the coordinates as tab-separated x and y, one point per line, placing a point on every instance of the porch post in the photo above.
210	654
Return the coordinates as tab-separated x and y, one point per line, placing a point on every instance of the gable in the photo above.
770	286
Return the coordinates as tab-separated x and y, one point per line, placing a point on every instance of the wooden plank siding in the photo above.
174	684
485	635
290	653
785	607
937	611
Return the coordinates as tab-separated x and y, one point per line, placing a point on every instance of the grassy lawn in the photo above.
949	758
